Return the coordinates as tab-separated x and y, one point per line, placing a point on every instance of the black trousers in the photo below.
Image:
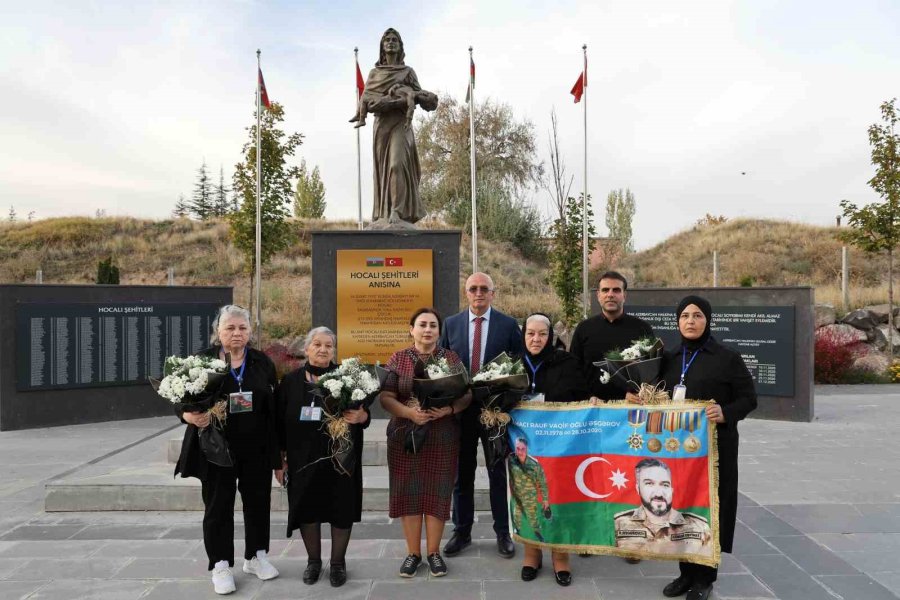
252	475
698	573
464	490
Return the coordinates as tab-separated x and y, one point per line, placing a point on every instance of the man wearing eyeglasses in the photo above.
612	329
477	335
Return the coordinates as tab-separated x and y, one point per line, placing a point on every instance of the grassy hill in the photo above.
771	252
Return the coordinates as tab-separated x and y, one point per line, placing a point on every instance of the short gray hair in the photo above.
319	331
538	317
229	310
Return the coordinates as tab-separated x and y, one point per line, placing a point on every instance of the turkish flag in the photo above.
578	88
360	83
393	262
263	95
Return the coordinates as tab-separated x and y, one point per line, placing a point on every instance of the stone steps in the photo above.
142	480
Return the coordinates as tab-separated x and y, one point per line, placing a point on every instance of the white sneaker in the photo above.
261	567
223	580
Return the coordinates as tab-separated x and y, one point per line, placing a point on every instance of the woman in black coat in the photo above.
701	369
317	493
557	376
252	446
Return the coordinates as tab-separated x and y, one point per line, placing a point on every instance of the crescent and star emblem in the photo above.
618	478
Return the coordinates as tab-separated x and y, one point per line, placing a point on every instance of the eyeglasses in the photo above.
479	288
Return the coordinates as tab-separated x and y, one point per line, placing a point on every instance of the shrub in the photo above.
107	272
832	358
747	281
894	372
284	362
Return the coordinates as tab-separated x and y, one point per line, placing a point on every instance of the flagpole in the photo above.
358	152
258	325
472	168
584	201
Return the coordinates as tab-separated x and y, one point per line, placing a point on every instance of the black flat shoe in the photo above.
677	587
337	575
563	578
699	591
530	573
312	572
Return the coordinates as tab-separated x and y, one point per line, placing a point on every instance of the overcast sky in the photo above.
114	106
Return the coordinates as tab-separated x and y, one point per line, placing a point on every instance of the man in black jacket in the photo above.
612	329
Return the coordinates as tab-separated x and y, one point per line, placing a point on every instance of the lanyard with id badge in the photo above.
311	412
240	401
531	396
679	392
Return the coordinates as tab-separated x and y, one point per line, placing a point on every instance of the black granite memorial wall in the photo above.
83	353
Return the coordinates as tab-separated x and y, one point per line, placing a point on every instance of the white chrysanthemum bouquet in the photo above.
634	366
187	379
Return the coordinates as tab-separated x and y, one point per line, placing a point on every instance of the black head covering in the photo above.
706	309
548	347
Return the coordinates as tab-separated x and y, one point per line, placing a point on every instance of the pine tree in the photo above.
202	201
276	191
309	199
221	206
181	210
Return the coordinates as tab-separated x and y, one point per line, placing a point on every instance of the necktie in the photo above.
475	364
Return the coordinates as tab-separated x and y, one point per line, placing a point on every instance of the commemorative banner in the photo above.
619	479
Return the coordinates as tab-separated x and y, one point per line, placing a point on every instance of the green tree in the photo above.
875	227
309	199
276	190
107	272
202	200
504	151
221	206
181	210
566	258
620	207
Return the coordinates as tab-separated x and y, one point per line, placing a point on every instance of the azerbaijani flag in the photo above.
263	95
588	455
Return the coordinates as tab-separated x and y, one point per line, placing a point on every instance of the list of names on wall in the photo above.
90	345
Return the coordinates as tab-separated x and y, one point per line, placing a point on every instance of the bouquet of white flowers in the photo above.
498	386
437	383
635	365
193	384
350	386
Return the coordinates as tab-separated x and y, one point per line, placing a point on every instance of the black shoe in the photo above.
677	587
337	574
563	578
505	546
457	544
699	591
437	565
530	573
410	565
312	572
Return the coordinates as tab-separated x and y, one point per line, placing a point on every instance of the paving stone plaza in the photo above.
819	519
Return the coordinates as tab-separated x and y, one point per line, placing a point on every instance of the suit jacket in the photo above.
503	335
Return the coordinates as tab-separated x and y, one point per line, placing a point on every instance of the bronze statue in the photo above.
392	93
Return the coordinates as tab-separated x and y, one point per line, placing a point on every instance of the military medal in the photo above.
654	427
691	424
636	418
672	424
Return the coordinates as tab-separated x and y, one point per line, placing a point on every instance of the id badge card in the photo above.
240	402
533	397
310	413
679	392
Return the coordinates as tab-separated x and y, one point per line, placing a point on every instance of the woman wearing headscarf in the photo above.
317	492
702	369
557	376
250	432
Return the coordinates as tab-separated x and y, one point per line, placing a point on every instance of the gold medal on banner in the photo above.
672	423
636	418
654	427
692	423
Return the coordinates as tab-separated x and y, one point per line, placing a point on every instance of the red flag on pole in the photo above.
360	82
578	88
471	79
263	95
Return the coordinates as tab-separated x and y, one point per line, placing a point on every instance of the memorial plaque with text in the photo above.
764	336
89	345
377	291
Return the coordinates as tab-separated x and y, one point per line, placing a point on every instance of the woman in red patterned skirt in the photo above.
421	483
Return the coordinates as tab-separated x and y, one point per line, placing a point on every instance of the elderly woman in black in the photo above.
701	369
317	492
250	433
556	375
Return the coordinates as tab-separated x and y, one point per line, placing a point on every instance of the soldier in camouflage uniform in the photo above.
528	487
655	526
